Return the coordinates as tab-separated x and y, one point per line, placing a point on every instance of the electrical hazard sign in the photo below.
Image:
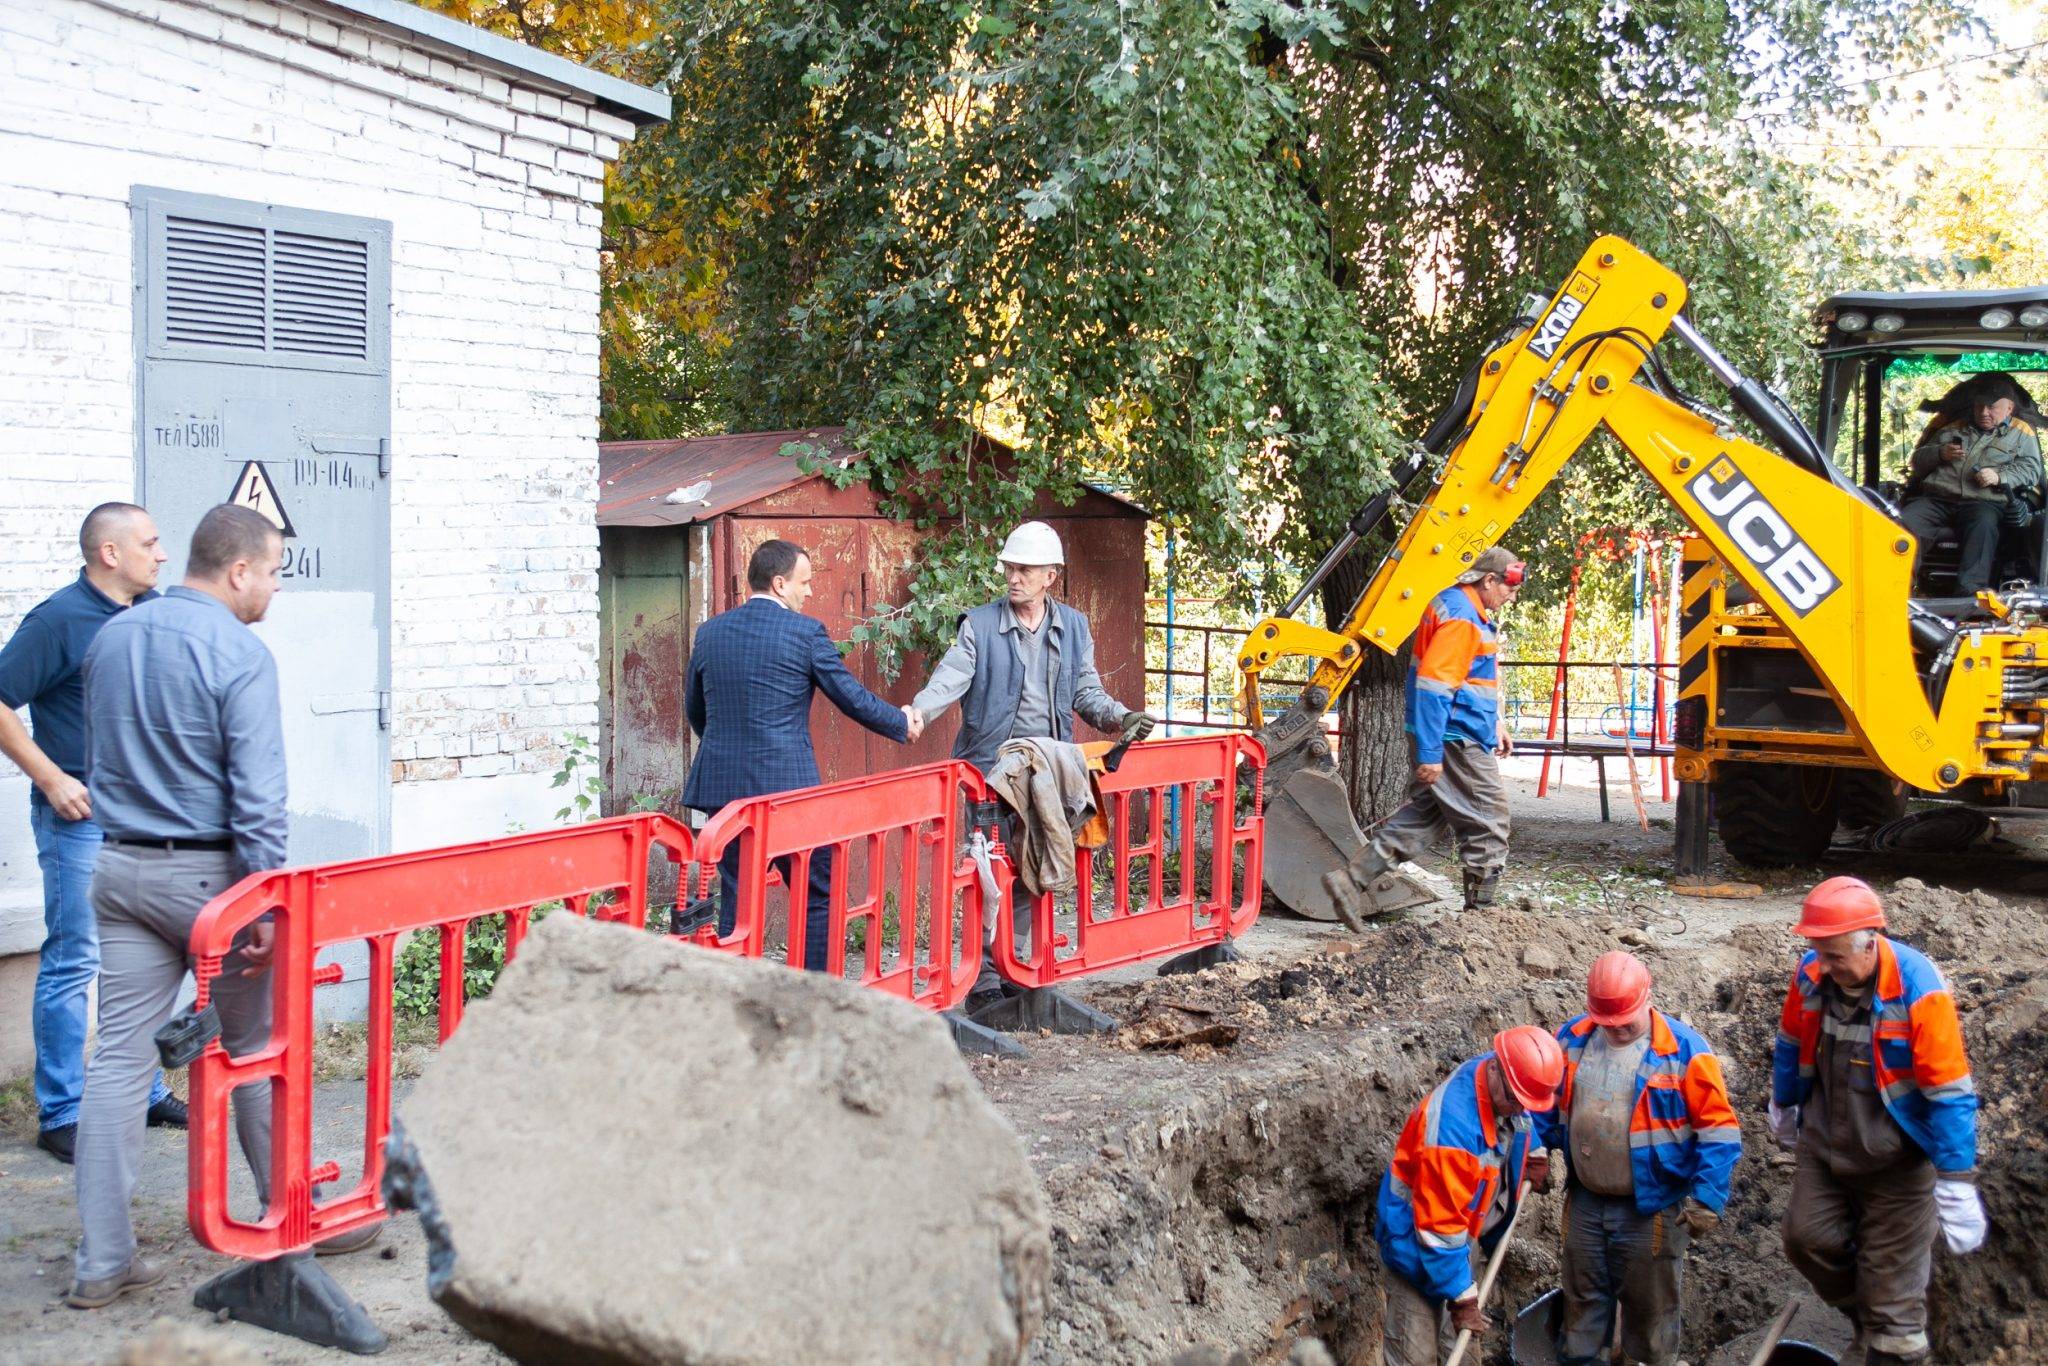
257	491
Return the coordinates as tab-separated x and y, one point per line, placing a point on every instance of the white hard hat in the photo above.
1033	543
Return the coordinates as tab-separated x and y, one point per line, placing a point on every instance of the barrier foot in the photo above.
293	1295
1047	1008
1198	960
973	1038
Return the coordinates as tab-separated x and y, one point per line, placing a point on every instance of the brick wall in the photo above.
493	193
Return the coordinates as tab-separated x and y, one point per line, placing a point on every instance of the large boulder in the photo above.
642	1151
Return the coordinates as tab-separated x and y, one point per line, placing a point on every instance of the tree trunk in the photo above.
1372	757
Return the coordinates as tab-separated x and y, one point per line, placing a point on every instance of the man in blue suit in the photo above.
752	672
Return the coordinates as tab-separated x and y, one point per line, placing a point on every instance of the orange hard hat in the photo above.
1617	988
1839	905
1532	1064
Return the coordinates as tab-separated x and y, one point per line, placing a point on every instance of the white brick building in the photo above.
392	222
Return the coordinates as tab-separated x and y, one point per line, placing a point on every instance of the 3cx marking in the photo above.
1763	535
1557	323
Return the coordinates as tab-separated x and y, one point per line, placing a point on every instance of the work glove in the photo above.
1137	725
1785	1125
1698	1219
1961	1211
1536	1171
1468	1317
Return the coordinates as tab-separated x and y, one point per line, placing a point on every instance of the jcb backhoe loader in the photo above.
1809	673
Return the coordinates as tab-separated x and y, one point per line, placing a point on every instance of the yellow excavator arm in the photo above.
1823	555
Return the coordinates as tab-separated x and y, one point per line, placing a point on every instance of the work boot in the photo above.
355	1240
169	1113
60	1142
139	1272
1349	887
1480	888
987	990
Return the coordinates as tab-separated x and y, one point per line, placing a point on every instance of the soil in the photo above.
1212	1167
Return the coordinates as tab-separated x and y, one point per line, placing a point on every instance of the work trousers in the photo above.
1866	1246
818	902
146	901
1415	1329
1975	522
66	852
1469	802
1615	1254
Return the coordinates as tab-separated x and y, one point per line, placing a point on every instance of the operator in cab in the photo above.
1963	477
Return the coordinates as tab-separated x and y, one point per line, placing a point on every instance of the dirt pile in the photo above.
639	1151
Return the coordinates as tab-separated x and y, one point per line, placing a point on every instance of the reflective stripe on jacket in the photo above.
1917	1054
1683	1136
1454	676
1446	1169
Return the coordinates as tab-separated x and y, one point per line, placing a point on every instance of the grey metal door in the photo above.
263	350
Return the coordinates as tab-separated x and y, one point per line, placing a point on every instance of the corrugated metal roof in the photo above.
674	483
671	483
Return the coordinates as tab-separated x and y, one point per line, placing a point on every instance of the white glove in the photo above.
1961	1211
1785	1125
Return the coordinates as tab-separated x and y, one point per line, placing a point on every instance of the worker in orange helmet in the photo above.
1871	1088
1452	1186
1650	1139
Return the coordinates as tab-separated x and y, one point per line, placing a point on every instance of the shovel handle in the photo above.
1500	1252
1773	1333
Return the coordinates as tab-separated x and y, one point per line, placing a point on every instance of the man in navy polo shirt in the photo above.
40	669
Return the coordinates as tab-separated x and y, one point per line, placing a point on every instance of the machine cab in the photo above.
1895	368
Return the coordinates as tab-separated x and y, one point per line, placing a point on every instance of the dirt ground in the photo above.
1212	1166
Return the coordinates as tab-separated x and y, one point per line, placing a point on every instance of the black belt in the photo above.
173	846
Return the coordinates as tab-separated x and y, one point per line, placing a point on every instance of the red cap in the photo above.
1617	988
1532	1064
1839	905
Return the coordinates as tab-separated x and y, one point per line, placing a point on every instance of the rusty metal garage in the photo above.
676	523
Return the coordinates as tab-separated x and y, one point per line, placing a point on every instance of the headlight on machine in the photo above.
1994	319
2034	315
1851	322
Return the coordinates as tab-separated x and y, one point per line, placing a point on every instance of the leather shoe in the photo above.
169	1113
355	1240
59	1142
100	1293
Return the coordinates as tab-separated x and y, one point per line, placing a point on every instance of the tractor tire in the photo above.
1775	815
1866	799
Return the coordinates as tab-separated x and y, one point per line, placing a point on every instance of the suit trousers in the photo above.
818	911
146	901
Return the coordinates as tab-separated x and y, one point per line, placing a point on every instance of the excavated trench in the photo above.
1213	1168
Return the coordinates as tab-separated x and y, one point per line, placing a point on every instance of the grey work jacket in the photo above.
2009	448
984	672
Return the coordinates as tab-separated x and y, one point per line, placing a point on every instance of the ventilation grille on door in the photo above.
251	288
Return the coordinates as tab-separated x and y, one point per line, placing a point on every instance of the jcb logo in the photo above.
1557	323
1761	532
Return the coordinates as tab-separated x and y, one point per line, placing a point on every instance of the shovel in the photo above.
1500	1252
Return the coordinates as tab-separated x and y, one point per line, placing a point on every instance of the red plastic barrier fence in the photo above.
599	869
897	837
1183	783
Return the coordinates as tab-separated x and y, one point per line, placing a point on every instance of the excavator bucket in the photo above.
1310	831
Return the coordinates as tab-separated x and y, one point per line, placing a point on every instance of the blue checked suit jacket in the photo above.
748	695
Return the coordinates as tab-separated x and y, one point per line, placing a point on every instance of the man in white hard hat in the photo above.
1024	665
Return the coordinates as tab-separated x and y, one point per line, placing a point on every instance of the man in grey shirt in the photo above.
1024	665
185	752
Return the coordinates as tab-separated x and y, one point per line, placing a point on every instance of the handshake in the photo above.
913	719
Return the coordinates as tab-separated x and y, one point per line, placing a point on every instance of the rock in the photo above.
1537	958
641	1151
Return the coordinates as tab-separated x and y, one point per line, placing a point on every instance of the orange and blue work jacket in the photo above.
1447	1168
1683	1136
1454	676
1916	1052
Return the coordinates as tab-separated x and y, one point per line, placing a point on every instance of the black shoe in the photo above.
59	1142
169	1113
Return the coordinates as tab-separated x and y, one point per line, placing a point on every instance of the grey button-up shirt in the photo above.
184	739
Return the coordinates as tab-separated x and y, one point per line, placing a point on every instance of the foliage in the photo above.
1079	227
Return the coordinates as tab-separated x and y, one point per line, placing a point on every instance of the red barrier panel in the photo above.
1197	777
599	869
897	837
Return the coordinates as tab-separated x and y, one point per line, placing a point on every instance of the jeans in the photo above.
1616	1254
817	915
67	852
